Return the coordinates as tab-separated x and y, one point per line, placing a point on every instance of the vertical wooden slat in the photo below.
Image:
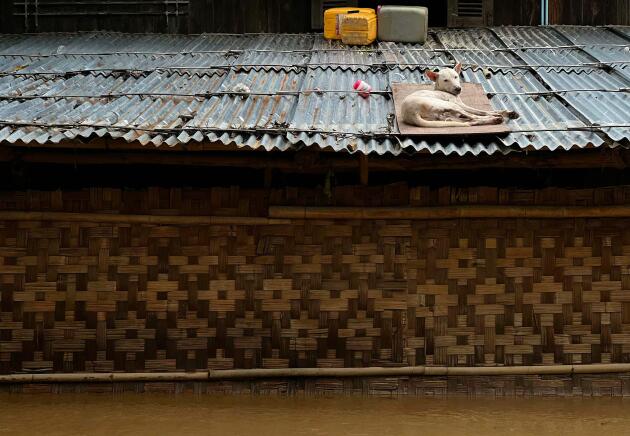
363	169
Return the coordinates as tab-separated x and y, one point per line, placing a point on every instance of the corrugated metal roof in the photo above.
277	52
567	84
529	37
410	56
598	107
479	47
335	55
622	30
601	45
236	112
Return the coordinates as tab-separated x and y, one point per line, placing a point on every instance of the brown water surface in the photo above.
155	414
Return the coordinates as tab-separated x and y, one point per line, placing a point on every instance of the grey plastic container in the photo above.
403	23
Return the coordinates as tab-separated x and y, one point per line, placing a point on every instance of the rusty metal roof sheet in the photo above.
479	48
569	85
410	56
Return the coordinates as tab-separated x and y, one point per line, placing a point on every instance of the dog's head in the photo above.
447	79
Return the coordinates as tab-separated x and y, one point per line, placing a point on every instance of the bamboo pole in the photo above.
283	215
257	373
315	372
105	377
139	219
449	212
397	371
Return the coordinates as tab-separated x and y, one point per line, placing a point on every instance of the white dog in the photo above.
442	107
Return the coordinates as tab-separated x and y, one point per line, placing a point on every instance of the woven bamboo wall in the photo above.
85	296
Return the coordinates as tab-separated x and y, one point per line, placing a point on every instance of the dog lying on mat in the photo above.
442	107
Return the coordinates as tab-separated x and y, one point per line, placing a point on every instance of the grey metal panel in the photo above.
95	43
123	114
185	63
519	36
537	123
43	44
333	54
343	111
276	51
544	46
599	107
12	64
254	142
229	112
396	147
411	56
602	44
8	40
557	59
515	81
623	30
477	47
590	35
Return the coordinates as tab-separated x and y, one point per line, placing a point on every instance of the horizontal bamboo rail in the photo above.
257	373
449	212
101	377
138	219
283	215
417	371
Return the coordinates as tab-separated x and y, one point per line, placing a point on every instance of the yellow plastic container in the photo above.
359	29
334	18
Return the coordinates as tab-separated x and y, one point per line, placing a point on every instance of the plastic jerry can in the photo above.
334	17
403	23
359	28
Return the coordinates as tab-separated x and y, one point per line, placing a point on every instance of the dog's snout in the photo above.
458	89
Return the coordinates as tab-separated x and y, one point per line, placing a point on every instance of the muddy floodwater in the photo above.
188	414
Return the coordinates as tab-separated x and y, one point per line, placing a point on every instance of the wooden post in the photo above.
363	169
268	177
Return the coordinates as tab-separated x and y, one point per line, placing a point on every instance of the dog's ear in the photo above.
458	68
432	75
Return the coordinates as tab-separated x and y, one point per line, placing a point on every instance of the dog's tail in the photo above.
416	120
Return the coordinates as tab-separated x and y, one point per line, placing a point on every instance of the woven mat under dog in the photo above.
472	94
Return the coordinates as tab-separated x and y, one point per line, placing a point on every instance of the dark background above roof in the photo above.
239	16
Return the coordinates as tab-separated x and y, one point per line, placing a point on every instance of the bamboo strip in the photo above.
159	376
138	219
282	215
449	212
257	373
402	371
105	377
315	372
508	370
